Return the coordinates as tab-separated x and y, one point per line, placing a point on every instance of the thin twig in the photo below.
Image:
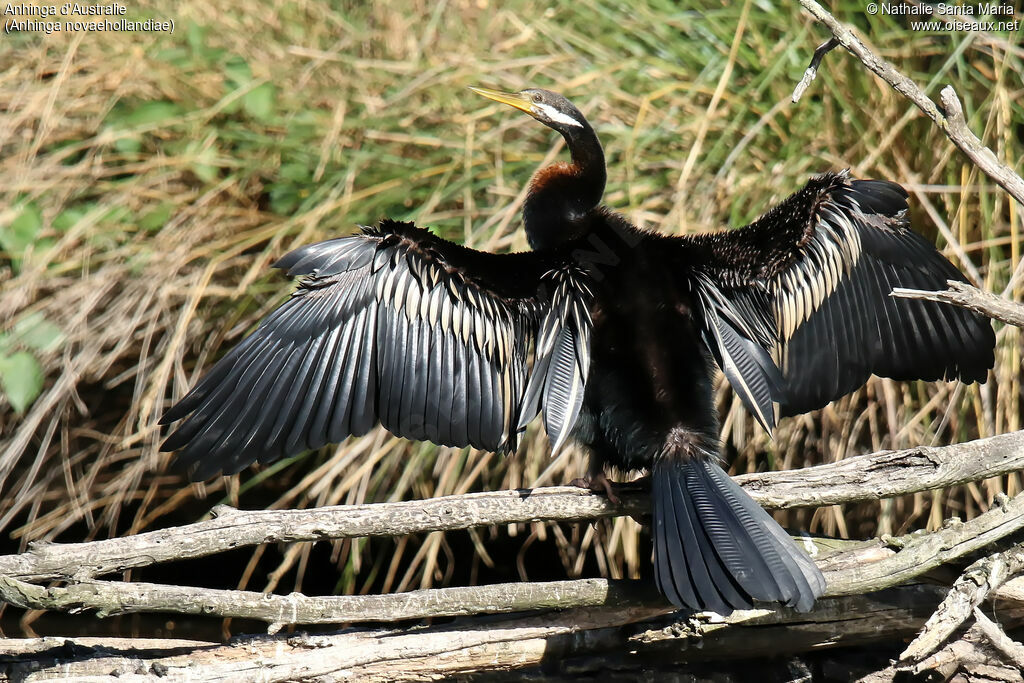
812	69
964	295
953	123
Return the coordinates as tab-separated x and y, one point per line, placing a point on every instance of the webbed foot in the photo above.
599	483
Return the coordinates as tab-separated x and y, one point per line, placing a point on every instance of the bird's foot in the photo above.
599	483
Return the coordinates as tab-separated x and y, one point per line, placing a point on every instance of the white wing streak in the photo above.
809	283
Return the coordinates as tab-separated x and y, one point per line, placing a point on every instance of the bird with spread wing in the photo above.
611	334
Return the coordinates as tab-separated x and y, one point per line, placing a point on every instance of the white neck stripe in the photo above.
557	116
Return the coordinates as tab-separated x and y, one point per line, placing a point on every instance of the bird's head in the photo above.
550	108
562	196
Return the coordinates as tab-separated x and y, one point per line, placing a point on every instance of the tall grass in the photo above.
149	180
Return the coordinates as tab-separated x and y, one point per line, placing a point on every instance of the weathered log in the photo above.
867	477
557	645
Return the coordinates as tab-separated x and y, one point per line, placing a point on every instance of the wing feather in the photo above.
396	326
365	382
338	416
811	281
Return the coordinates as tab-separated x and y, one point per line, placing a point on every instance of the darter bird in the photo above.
434	341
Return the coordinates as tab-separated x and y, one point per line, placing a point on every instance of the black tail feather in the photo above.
716	549
723	584
670	567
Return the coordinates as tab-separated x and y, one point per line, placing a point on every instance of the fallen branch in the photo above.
1008	647
969	591
973	657
886	473
846	573
111	598
580	643
868	477
953	123
925	552
965	296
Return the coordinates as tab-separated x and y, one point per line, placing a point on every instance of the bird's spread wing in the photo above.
396	326
797	306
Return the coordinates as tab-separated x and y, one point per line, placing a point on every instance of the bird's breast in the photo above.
649	371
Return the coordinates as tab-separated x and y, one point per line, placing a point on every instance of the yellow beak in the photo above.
513	99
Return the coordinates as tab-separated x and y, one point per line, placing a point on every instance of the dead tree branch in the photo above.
847	573
109	598
577	642
963	599
868	477
887	473
1009	648
922	553
952	123
965	296
973	657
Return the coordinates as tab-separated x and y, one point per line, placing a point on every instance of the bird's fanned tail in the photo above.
716	549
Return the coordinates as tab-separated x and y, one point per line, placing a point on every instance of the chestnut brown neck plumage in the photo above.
562	196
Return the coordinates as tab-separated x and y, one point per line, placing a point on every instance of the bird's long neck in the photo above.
562	196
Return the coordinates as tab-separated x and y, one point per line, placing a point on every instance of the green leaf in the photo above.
306	125
204	54
237	71
260	102
298	173
22	231
204	163
145	113
21	377
36	332
117	214
195	36
128	146
284	199
176	55
68	217
43	245
157	218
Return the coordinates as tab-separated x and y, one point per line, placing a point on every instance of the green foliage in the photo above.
145	113
21	233
21	377
21	374
156	218
35	332
260	102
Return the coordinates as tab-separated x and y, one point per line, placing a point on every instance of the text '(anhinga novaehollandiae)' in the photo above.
433	341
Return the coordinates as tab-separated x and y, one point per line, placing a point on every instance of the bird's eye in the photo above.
536	97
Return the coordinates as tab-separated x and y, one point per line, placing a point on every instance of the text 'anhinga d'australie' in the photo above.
431	339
